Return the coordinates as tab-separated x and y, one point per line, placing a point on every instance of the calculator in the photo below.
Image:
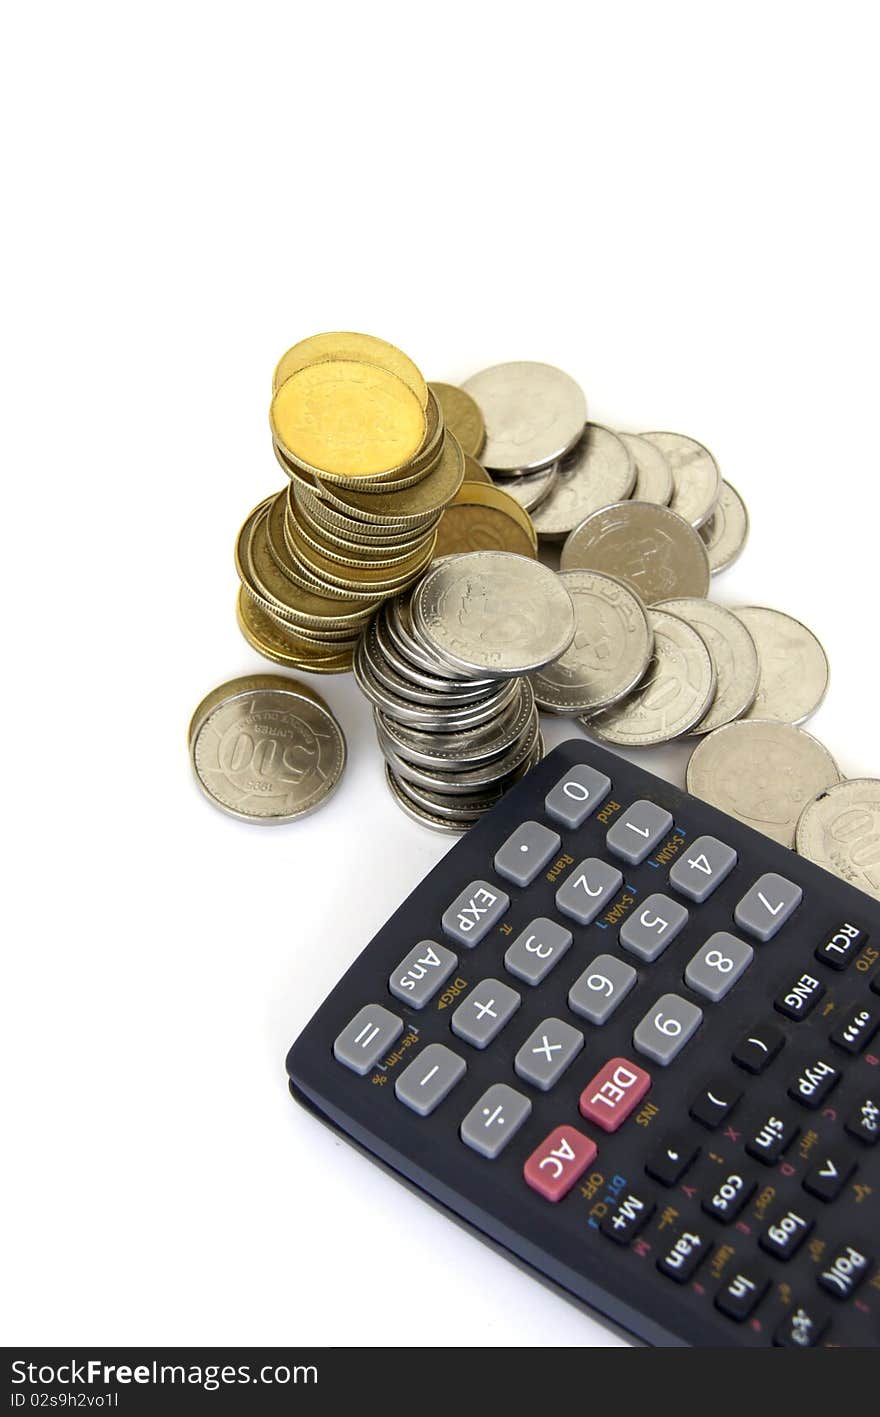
630	1042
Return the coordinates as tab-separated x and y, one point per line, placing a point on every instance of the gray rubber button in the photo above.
765	908
588	889
484	1012
702	867
420	973
495	1120
429	1078
369	1035
603	985
715	967
526	853
666	1028
537	949
547	1052
577	795
637	831
652	926
473	913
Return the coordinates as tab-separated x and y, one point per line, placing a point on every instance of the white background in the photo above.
677	204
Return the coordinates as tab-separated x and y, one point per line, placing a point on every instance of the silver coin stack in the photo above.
445	669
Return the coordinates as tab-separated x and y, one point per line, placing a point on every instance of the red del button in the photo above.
613	1093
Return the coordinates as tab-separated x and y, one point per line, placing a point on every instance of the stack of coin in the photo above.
371	467
445	667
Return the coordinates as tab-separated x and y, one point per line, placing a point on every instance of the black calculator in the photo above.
634	1045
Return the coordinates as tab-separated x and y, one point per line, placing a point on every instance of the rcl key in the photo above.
613	1093
560	1161
628	1219
841	946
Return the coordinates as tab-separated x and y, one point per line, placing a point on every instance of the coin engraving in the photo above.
733	655
609	654
598	471
650	548
674	694
533	414
793	665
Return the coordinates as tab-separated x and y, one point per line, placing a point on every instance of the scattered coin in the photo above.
268	754
531	488
733	655
650	548
673	696
533	413
483	518
348	419
653	473
474	471
600	470
492	612
793	666
462	416
609	654
727	530
695	475
762	773
246	684
840	830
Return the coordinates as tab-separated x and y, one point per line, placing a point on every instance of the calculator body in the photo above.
681	1227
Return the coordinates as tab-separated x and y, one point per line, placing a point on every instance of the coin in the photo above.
695	475
278	595
412	688
466	780
409	505
463	748
733	655
420	815
246	684
609	654
444	716
600	470
531	488
840	830
793	674
458	805
726	531
481	518
653	473
493	612
474	471
268	755
344	344
533	413
650	548
268	638
674	695
349	418
461	415
762	773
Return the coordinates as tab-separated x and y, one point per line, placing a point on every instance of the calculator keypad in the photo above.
370	1034
526	852
652	927
588	889
613	1093
537	949
637	831
702	867
604	984
717	965
666	1028
494	1121
576	795
484	1012
559	1162
547	1053
474	911
429	1078
764	909
421	973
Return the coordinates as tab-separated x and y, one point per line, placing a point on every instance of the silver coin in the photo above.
840	830
733	655
461	748
695	475
763	774
400	625
674	695
493	611
727	530
450	692
464	781
474	805
533	412
653	473
418	814
416	715
793	676
268	755
650	548
598	471
609	654
532	488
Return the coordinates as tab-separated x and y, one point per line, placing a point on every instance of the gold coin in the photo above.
352	553
348	419
247	684
265	636
361	579
418	467
344	344
409	505
333	522
474	471
485	519
463	416
272	590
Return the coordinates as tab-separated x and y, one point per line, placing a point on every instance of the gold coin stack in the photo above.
371	467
